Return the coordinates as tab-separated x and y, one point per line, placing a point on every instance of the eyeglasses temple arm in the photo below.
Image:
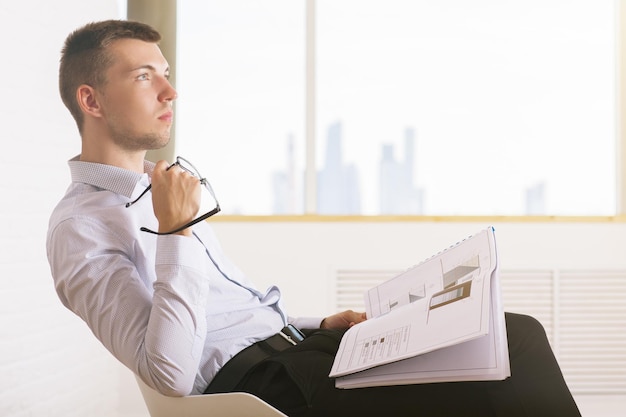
181	228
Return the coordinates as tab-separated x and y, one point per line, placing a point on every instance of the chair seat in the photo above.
232	404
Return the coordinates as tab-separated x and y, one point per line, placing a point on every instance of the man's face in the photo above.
137	97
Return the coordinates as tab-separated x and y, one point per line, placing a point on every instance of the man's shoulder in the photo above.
85	204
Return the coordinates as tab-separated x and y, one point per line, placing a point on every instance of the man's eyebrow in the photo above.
149	67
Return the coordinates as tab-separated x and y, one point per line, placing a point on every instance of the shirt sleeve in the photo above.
306	322
159	334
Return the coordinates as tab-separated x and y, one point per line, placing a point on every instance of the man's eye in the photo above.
143	77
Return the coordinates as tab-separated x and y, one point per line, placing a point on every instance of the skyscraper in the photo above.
398	193
337	183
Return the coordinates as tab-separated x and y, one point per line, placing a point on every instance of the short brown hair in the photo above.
85	58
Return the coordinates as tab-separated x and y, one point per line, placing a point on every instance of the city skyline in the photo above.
339	189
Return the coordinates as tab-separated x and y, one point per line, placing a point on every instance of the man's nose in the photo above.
169	92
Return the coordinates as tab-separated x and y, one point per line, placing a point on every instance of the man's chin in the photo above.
146	142
160	146
158	142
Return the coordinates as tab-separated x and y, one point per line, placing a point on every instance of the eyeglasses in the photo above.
187	166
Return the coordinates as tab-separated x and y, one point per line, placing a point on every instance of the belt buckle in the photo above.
287	338
291	334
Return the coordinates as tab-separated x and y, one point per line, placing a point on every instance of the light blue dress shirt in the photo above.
173	309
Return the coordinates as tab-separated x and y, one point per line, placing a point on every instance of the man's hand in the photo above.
175	197
343	320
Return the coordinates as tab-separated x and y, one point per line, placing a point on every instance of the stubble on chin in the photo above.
144	142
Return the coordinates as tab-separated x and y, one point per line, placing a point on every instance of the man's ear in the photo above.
87	100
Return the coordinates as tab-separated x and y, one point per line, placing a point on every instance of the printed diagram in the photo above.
411	296
385	345
461	273
444	284
457	283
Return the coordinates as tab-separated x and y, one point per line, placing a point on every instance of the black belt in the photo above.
236	368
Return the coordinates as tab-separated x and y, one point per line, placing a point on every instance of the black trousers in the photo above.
296	382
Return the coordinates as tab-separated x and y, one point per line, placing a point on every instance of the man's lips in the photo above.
168	116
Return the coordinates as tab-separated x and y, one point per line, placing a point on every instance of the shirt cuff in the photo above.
180	250
181	267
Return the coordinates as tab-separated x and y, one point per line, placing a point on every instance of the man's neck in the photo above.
130	160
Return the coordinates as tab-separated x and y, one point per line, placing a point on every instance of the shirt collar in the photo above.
108	177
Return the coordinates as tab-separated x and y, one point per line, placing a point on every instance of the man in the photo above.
169	304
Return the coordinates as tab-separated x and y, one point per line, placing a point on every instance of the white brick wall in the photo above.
50	363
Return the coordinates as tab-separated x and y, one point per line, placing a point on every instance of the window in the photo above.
240	112
436	108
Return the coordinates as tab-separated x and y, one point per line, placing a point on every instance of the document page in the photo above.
443	301
483	358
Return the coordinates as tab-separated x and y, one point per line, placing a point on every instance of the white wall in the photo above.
50	363
302	257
